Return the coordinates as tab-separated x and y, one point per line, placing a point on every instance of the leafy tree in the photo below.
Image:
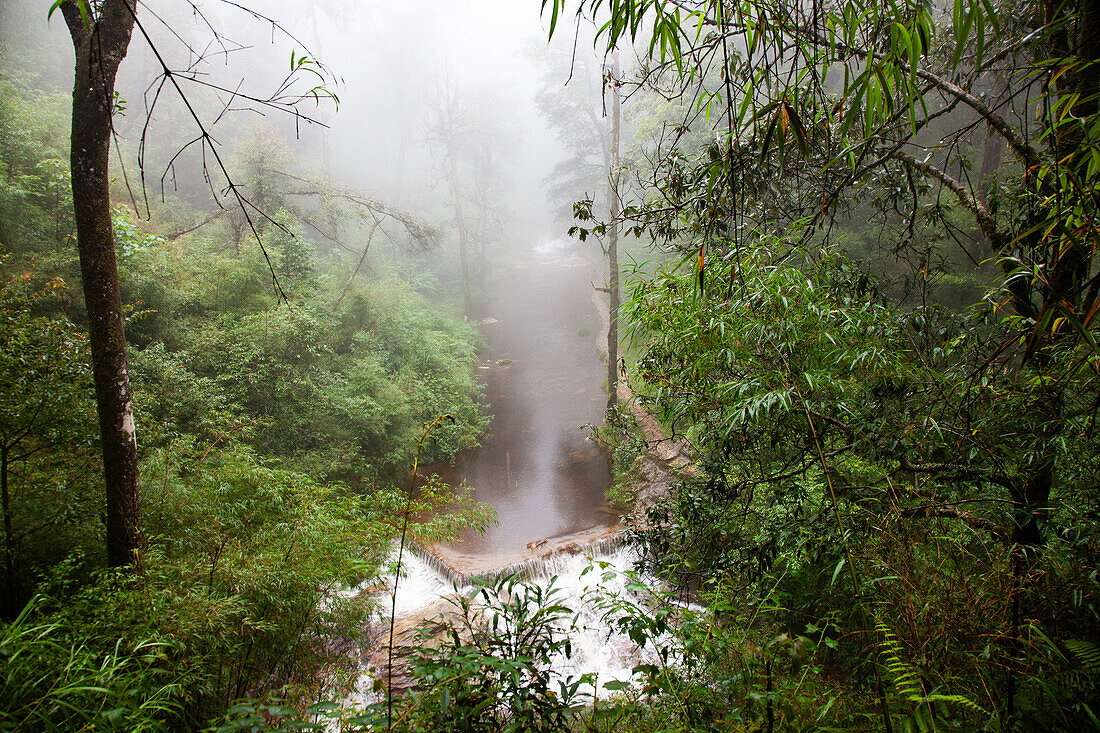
828	402
337	395
570	98
469	143
44	426
35	198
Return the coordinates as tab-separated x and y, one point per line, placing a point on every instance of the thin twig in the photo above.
400	554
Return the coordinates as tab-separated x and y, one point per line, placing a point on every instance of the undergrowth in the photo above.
621	437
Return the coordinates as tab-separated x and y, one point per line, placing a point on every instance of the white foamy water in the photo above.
560	251
583	583
586	585
419	586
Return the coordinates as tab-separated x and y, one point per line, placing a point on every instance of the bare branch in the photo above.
425	234
359	264
959	471
1028	154
951	512
177	234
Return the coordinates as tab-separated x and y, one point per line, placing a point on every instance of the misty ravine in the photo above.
539	466
571	366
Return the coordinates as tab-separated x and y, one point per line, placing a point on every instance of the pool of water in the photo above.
543	379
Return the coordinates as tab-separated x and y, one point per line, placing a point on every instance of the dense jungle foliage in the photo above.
877	339
275	437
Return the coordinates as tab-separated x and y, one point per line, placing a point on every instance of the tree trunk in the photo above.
462	254
613	244
1076	41
1032	498
100	45
460	221
9	541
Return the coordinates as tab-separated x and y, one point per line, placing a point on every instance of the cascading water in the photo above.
583	582
586	583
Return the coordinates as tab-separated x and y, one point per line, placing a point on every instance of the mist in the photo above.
389	64
389	366
427	142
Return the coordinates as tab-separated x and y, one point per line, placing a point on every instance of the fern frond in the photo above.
906	679
1086	653
962	700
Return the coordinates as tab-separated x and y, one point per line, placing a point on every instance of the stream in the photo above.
543	384
537	466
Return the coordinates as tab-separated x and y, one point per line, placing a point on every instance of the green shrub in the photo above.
621	437
237	597
492	672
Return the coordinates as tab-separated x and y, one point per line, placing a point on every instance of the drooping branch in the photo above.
187	230
425	235
359	264
208	143
958	471
1018	287
1028	154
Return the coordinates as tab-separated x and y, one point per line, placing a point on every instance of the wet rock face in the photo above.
653	484
659	464
413	633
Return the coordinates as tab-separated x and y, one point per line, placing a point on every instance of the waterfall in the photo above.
438	565
427	579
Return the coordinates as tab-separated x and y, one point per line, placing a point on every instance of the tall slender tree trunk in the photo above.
1075	41
9	540
460	222
100	40
613	243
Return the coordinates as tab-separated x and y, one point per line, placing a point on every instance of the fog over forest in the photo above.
388	63
547	365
